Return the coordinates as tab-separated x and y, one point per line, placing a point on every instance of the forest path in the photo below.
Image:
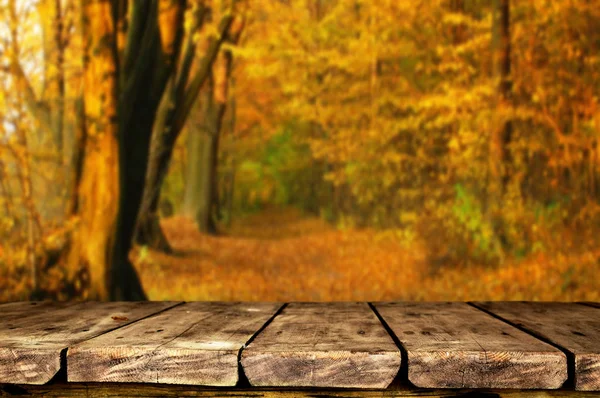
277	255
282	255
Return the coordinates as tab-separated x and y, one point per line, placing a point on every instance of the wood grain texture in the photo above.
323	345
22	309
453	345
194	344
97	390
573	327
31	345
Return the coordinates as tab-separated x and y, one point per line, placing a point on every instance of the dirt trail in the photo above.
276	255
281	255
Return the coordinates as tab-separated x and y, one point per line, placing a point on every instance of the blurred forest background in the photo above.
300	149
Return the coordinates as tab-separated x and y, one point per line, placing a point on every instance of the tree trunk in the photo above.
48	109
121	98
191	194
34	224
500	156
202	147
214	104
196	142
93	241
54	76
230	187
77	157
148	231
205	217
503	133
458	32
150	74
204	214
202	153
53	94
170	122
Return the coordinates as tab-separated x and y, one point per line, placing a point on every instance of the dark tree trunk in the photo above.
503	134
78	152
156	65
148	231
458	32
169	125
500	155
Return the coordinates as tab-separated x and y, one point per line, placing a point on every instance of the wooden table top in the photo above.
278	347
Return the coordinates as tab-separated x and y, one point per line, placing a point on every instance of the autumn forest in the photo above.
300	150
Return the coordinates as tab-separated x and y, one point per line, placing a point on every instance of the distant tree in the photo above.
501	137
50	104
200	197
502	133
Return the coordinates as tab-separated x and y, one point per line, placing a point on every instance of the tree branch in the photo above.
184	105
40	113
37	109
189	51
132	76
140	13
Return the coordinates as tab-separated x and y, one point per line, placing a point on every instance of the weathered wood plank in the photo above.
323	345
591	303
31	345
453	345
21	309
195	344
573	327
97	390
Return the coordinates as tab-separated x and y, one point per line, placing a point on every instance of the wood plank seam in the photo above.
33	348
61	375
453	345
197	343
571	325
242	378
168	341
570	383
589	304
63	355
403	372
571	362
332	345
174	338
131	323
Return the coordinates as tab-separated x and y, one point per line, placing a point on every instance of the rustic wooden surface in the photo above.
31	345
316	345
21	309
453	345
195	343
96	390
573	327
591	304
323	345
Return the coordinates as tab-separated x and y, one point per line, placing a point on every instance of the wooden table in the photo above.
401	349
